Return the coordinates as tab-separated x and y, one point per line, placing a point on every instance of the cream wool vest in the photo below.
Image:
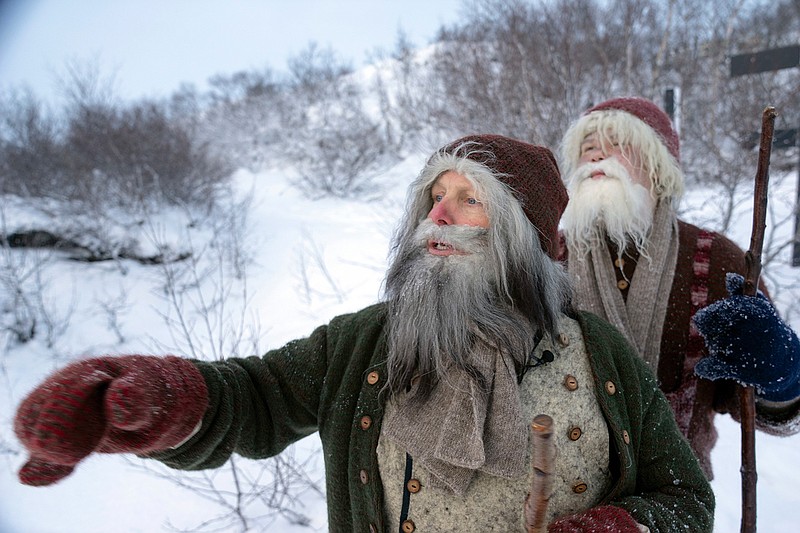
562	389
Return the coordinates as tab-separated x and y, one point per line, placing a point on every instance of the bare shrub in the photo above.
138	153
103	166
103	152
527	68
30	149
26	312
242	117
331	138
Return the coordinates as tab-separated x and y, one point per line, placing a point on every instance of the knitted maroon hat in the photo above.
650	114
532	174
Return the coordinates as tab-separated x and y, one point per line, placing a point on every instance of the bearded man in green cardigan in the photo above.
422	401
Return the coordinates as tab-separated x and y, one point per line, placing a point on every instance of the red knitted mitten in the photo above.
596	520
133	403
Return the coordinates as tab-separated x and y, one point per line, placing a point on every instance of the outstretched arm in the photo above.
257	405
189	414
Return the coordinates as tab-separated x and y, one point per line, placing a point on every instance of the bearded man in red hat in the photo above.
422	401
670	287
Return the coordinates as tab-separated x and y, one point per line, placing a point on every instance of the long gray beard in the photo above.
435	302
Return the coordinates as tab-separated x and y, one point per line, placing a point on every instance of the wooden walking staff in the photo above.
542	466
752	273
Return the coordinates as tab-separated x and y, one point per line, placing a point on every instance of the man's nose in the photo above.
440	214
597	155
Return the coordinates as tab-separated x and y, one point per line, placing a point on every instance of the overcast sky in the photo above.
150	47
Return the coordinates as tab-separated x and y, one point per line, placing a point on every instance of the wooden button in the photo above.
366	422
571	382
408	526
579	488
373	377
619	262
611	388
575	433
563	339
413	486
364	477
626	437
622	284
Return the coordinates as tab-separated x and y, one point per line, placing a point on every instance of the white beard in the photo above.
611	207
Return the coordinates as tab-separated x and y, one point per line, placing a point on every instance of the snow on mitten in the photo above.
133	403
595	520
748	342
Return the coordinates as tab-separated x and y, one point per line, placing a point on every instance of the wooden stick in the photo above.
752	273
542	467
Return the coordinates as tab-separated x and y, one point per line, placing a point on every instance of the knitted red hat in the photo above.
650	114
532	174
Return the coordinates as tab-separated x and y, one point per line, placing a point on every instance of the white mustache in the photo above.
465	238
610	167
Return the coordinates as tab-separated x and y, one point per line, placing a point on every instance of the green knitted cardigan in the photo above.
327	383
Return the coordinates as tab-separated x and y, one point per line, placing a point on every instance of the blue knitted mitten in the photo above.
748	342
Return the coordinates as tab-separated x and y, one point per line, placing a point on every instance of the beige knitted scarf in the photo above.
641	317
459	429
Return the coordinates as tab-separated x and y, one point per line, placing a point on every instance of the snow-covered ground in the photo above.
311	260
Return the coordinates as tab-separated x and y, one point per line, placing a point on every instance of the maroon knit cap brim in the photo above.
650	114
531	172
